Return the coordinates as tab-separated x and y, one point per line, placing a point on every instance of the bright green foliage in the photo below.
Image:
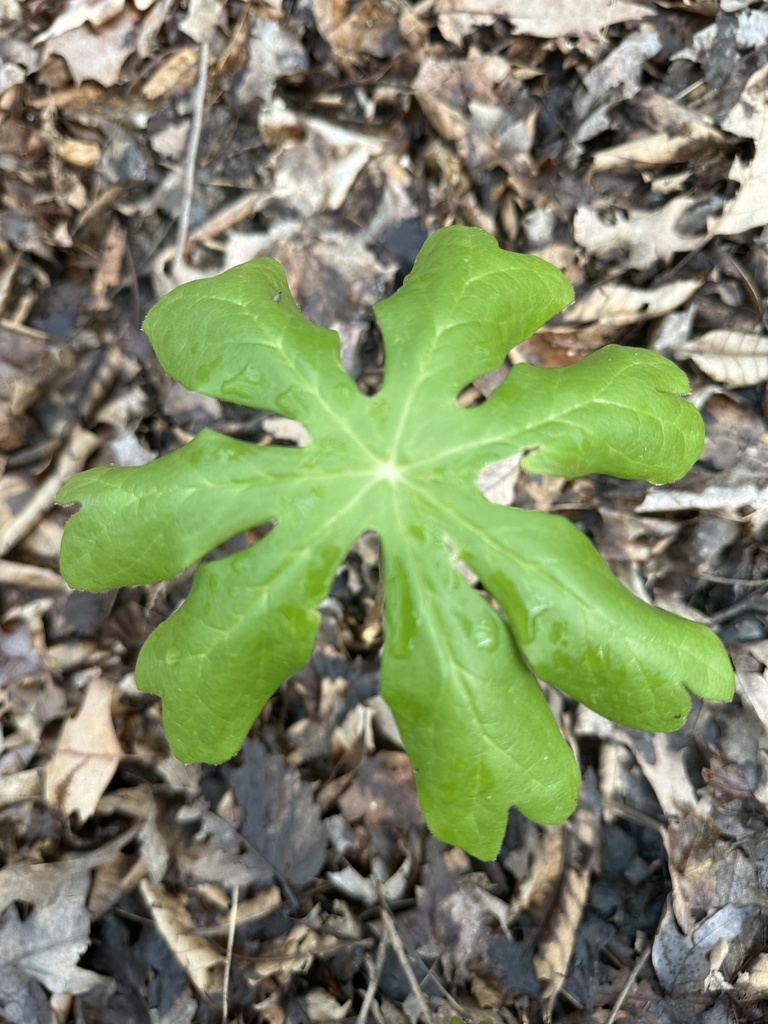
460	677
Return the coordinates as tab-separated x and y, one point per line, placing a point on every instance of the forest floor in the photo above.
625	141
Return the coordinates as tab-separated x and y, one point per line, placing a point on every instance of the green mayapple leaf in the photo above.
460	675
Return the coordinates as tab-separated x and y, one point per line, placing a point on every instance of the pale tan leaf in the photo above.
620	304
498	480
660	148
752	687
746	117
21	785
749	208
80	12
202	961
618	75
175	74
667	775
87	755
200	21
97	55
645	237
755	980
77	153
736	358
556	18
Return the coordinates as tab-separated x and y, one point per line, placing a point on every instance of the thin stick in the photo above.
230	947
630	982
81	444
375	967
191	162
402	956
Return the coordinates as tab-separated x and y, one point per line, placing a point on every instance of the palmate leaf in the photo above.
460	677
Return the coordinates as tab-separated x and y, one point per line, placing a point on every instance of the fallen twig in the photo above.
191	161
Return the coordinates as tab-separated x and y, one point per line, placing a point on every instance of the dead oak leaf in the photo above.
618	305
86	757
97	55
646	237
458	18
80	12
46	945
749	207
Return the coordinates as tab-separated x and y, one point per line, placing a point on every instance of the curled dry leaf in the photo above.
619	305
736	358
544	21
657	149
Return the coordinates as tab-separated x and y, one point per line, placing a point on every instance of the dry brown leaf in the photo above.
80	12
110	269
46	944
97	55
619	305
383	792
646	237
376	884
340	152
457	18
476	104
175	75
659	148
749	208
370	27
708	872
291	954
201	18
77	153
274	51
736	358
667	774
683	963
746	117
581	857
199	957
87	755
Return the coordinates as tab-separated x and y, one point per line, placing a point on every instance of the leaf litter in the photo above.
626	137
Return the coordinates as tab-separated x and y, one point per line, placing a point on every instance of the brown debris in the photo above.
145	142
